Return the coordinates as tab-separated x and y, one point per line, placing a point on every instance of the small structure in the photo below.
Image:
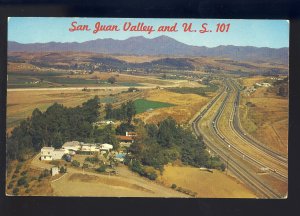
105	147
126	139
54	171
46	153
49	153
131	134
107	122
71	146
89	147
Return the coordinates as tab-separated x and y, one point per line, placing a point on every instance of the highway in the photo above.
243	155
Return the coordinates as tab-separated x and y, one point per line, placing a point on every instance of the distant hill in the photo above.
161	45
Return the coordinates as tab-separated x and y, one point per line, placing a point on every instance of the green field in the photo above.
143	105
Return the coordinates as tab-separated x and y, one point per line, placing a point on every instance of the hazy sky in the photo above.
259	33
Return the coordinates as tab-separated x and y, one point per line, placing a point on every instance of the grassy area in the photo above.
143	105
205	184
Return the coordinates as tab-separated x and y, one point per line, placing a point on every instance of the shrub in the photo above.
33	178
44	173
173	186
63	170
14	176
85	166
26	185
22	181
10	185
223	167
27	190
23	173
92	160
101	169
75	163
15	191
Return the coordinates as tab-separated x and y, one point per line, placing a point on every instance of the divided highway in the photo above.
243	155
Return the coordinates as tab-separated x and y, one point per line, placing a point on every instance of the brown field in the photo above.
126	184
251	81
267	121
187	106
206	184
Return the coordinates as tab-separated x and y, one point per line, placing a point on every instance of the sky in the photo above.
258	33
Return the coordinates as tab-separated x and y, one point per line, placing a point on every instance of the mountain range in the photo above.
162	45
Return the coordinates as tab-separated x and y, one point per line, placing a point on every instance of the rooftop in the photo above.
127	138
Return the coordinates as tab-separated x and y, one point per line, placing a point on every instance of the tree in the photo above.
108	111
22	181
91	109
111	80
130	111
124	127
109	136
75	163
167	132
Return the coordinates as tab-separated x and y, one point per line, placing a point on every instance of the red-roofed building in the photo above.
131	134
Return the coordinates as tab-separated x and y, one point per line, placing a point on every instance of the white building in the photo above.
89	147
54	171
105	147
49	153
71	146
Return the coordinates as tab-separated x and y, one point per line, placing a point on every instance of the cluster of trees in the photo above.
55	126
157	145
200	90
125	113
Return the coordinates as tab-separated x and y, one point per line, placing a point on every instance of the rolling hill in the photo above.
161	45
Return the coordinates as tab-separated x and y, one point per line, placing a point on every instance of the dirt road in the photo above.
84	183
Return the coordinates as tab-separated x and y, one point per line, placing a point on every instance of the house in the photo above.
105	147
71	147
46	153
54	171
127	139
103	122
49	153
131	134
89	147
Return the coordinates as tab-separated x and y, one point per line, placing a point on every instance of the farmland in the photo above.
160	87
143	105
187	105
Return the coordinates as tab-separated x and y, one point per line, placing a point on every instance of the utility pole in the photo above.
227	159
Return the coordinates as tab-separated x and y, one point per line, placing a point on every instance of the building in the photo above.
46	153
127	139
131	134
71	147
54	171
49	153
105	147
89	147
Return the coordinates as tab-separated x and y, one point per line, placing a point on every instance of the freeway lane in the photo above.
250	139
266	159
242	165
